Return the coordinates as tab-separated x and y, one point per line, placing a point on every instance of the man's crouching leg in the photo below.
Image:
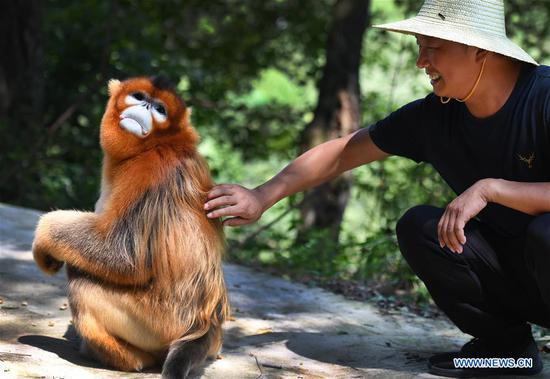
471	289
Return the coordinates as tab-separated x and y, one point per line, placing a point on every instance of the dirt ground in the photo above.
279	329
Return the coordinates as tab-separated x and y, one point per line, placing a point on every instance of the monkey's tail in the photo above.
183	356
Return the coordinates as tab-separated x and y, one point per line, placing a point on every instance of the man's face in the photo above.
451	66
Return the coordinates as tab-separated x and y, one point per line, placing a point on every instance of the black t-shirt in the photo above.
512	144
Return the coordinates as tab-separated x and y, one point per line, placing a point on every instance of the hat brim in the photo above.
458	33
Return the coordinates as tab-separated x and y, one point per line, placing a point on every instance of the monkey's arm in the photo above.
73	237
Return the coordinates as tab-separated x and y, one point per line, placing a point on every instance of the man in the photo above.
486	130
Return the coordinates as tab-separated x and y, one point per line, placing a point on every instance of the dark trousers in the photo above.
495	286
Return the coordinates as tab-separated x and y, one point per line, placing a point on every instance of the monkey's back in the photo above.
165	234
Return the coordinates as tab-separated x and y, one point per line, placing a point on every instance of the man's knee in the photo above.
417	225
418	222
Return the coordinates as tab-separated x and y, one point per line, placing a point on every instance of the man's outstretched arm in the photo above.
315	166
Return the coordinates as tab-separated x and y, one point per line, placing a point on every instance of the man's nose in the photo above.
421	61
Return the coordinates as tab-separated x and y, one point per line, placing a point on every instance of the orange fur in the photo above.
145	268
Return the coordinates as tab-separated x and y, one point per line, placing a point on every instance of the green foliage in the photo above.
213	50
382	191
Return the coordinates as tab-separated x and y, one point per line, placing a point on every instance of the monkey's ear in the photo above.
114	85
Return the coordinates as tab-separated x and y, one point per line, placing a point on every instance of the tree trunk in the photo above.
21	88
337	114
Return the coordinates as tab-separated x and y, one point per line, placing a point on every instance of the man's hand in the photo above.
241	205
450	230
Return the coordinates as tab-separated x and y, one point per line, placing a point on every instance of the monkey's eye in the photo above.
138	96
160	109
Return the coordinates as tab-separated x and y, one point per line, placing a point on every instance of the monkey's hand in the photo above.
48	251
46	261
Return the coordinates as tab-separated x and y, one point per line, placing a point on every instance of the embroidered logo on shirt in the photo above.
529	160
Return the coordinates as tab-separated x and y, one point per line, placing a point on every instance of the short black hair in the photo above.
162	82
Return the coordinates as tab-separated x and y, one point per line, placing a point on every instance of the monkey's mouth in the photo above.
137	123
134	127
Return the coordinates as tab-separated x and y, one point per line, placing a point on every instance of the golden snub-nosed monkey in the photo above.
145	276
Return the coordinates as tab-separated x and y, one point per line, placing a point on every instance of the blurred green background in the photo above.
251	71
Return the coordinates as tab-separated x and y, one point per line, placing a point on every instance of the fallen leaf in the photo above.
264	331
269	365
10	307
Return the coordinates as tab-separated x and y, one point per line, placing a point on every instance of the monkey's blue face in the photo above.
142	113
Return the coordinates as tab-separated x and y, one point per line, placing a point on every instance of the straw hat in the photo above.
478	23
